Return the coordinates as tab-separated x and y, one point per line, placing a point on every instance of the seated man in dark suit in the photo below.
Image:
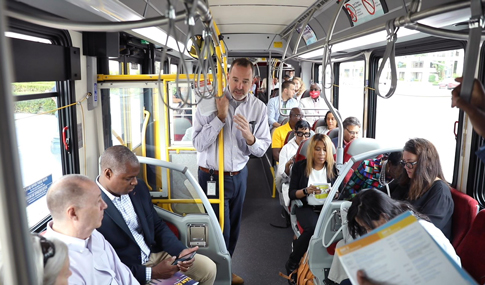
139	236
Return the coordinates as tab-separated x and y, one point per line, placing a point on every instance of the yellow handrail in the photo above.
220	81
146	114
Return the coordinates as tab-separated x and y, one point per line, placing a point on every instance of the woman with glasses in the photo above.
427	189
51	261
329	124
317	168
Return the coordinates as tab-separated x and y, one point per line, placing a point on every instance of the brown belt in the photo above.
216	172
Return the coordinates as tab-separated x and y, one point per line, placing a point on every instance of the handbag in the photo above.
303	274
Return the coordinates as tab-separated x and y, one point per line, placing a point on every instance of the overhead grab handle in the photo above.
390	54
475	25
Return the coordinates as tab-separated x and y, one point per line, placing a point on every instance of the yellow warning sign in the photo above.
278	44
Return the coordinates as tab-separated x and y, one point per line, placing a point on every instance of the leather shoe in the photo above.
236	280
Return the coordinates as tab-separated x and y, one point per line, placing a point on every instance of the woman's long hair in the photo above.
427	169
302	86
325	120
329	161
370	205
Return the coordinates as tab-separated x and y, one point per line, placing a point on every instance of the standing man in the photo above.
286	101
246	132
141	238
77	209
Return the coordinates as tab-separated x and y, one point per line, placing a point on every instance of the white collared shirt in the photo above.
93	260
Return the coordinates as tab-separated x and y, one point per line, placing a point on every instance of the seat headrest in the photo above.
362	145
318	123
333	133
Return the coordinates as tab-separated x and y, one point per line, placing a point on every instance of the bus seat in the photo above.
173	228
333	133
289	136
356	147
472	249
180	125
318	123
302	149
283	121
465	211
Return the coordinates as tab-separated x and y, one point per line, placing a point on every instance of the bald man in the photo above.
77	211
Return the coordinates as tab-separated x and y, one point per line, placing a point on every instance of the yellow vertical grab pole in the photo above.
220	85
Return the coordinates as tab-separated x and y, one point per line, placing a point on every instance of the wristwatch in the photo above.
305	191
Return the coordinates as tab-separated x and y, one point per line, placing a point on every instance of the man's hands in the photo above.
243	125
475	109
477	98
222	105
185	265
165	269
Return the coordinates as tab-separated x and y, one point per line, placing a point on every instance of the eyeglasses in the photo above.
409	165
300	134
352	133
48	249
298	115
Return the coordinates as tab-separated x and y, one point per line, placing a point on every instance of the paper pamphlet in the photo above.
401	252
177	279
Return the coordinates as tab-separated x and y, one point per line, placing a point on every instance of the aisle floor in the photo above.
262	249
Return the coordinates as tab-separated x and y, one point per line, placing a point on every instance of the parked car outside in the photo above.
449	83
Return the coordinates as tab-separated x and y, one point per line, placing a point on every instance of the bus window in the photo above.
157	67
351	91
134	68
181	117
421	105
114	67
39	145
126	116
173	68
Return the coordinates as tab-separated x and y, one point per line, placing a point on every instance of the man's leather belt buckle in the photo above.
215	172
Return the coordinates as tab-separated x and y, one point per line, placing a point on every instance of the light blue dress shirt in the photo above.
236	150
274	108
93	261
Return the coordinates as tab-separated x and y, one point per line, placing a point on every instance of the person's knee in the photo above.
206	268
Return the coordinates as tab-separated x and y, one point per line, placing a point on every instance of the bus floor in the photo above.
262	249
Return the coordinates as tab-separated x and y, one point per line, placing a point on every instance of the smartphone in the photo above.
184	258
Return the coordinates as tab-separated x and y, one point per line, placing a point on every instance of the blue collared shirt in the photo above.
274	108
236	150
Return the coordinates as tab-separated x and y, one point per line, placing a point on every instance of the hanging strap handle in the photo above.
475	25
390	54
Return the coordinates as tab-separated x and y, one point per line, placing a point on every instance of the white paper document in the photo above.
401	252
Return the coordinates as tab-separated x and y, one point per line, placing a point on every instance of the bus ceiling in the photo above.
263	27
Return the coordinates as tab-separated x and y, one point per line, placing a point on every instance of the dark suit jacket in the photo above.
158	235
299	180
